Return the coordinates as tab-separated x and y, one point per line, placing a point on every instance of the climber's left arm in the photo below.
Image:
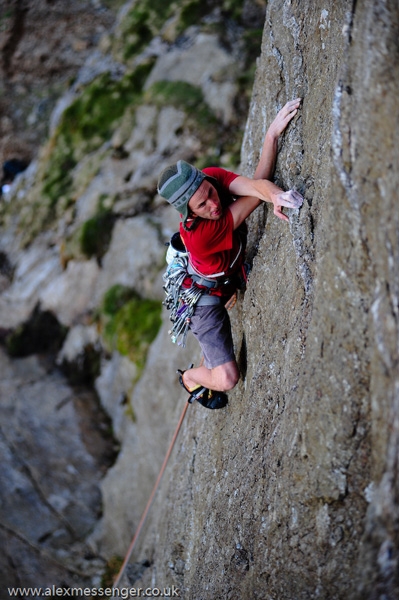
268	156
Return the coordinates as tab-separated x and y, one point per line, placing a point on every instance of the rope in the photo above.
150	500
231	302
229	305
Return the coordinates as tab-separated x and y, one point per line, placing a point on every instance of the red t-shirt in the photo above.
214	245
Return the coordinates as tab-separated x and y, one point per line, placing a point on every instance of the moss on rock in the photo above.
96	233
85	125
88	122
92	119
184	96
141	24
129	323
116	297
200	120
147	18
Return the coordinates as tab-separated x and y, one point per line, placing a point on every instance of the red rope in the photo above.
151	498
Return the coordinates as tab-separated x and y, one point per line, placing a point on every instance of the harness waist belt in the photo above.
205	282
201	280
207	300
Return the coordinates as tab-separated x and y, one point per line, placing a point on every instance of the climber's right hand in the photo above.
290	199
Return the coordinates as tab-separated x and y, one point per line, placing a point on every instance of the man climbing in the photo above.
213	231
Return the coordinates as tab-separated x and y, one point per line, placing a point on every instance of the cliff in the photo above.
292	490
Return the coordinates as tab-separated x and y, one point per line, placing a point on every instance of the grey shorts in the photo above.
211	326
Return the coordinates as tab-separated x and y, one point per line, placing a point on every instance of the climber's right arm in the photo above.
253	191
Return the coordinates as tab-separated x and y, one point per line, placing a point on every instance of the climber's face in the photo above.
205	202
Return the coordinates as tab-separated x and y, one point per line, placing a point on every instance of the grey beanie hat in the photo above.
178	183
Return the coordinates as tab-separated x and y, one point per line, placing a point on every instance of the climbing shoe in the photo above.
213	400
207	398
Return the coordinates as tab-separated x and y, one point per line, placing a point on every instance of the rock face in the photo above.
82	251
292	490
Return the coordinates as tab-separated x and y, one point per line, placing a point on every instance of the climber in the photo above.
213	231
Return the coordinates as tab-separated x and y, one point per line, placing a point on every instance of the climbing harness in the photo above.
180	301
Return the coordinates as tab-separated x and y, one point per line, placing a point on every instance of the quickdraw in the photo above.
181	302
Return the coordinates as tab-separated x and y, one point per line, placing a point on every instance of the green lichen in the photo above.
91	119
94	114
96	233
116	297
130	323
191	14
233	8
85	125
141	24
189	98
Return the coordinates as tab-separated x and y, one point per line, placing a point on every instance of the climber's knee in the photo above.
226	376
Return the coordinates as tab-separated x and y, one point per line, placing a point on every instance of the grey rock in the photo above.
78	338
169	122
153	408
36	268
203	63
142	136
134	258
114	386
69	295
49	494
